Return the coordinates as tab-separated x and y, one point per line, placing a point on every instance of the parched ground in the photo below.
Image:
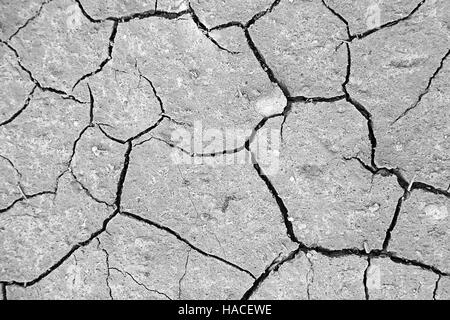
94	204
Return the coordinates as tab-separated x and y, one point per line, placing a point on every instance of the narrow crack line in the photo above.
227	25
178	122
270	74
436	287
281	206
89	193
138	15
155	93
387	24
205	31
263	63
309	277
144	132
261	14
249	23
195	154
369	168
273	267
316	99
18	112
91	106
25	284
19	174
156	5
427	89
416	263
3	291
108	269
86	15
184	274
112	38
142	284
64	95
74	146
84	243
401	180
25	198
365	276
360	108
340	17
99	125
393	224
138	135
38	12
180	238
123	175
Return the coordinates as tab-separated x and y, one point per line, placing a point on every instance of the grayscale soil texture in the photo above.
93	204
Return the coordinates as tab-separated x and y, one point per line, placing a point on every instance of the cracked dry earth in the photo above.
93	207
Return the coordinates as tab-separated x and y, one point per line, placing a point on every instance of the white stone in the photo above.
436	212
374	277
271	103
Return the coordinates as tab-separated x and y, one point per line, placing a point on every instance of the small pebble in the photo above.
271	103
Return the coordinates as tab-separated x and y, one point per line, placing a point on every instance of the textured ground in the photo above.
94	206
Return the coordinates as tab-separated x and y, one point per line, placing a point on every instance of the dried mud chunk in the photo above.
313	276
289	282
9	183
194	78
190	198
36	233
80	277
419	142
422	230
39	142
14	14
392	67
15	88
332	201
363	15
299	43
392	281
213	13
443	289
61	45
124	100
97	164
162	267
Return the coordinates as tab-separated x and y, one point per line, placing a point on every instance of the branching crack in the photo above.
93	236
180	238
38	12
427	89
18	112
112	38
108	269
64	95
367	33
273	267
184	274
